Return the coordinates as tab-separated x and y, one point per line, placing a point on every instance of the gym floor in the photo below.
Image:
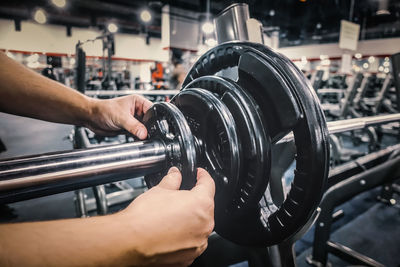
368	226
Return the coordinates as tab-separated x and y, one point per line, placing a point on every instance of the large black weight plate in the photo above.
272	90
288	103
214	130
165	121
255	143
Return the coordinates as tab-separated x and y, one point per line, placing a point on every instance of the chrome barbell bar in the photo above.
129	92
40	175
352	124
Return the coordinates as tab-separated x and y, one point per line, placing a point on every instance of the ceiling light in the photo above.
386	58
112	27
319	26
383	8
386	70
211	42
380	68
33	65
356	68
382	12
207	27
272	12
32	58
326	62
386	63
371	59
358	56
365	65
145	15
40	16
59	3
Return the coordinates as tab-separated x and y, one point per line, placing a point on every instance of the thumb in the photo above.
135	127
205	184
172	180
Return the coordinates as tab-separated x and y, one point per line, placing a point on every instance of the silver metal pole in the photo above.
352	124
230	24
129	92
40	175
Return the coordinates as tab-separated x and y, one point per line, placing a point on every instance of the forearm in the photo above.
26	93
97	241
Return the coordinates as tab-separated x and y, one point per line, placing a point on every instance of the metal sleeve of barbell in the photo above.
352	124
46	174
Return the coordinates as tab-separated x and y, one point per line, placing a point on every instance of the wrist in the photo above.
89	111
129	237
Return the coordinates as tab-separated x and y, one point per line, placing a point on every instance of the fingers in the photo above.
135	127
172	180
138	105
142	104
205	184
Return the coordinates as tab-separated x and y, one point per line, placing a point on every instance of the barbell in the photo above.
237	102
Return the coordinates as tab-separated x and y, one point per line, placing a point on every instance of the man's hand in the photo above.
113	116
170	225
163	227
26	93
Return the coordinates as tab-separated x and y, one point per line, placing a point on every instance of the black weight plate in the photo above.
275	93
214	130
167	123
255	143
288	103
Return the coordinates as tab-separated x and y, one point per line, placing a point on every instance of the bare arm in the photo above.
96	241
163	227
26	93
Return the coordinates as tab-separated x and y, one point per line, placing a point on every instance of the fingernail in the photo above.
141	133
173	169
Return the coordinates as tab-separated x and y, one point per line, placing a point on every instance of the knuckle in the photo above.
187	263
211	227
209	203
204	202
201	248
205	245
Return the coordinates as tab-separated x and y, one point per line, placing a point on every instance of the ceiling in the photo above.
298	21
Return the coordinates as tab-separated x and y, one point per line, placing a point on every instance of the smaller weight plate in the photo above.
166	122
255	142
216	140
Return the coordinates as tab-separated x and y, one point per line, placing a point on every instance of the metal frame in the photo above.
101	200
341	192
81	140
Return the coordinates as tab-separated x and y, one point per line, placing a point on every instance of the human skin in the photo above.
26	93
164	226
